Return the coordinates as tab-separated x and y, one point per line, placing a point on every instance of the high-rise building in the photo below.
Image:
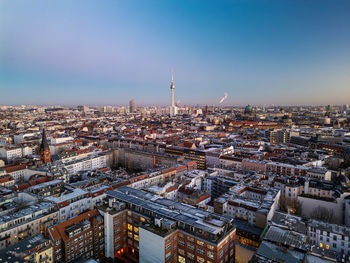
131	105
83	108
45	154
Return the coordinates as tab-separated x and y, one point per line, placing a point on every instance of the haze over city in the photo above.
106	52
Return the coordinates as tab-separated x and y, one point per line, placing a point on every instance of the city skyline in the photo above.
266	52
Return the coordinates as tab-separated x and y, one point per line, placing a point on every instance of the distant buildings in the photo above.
238	184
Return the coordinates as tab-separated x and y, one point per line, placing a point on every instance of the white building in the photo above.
10	153
59	140
23	136
92	162
72	203
319	173
329	236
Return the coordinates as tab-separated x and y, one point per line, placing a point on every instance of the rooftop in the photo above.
205	221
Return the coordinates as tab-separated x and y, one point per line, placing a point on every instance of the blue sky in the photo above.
108	51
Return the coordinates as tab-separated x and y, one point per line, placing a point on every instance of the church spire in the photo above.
45	155
44	144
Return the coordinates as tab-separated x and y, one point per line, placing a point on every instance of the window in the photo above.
182	259
136	229
210	254
136	237
181	242
190	255
130	234
200	250
190	239
130	227
211	247
190	246
201	243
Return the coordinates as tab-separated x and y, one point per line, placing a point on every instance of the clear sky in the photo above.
75	52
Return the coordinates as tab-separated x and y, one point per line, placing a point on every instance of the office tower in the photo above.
131	105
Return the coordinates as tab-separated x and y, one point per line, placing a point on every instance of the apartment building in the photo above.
254	165
253	205
34	249
189	154
71	202
20	222
286	169
10	153
81	236
89	163
154	229
329	236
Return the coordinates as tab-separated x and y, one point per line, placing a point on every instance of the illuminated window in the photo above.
136	229
77	211
136	237
200	260
142	219
130	234
182	259
190	239
210	247
327	246
321	245
210	254
200	242
130	227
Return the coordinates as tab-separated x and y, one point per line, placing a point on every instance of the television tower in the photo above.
172	87
173	108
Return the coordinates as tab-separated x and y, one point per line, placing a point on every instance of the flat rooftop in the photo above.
26	211
198	218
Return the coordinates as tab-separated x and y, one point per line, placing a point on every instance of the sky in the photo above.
105	52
